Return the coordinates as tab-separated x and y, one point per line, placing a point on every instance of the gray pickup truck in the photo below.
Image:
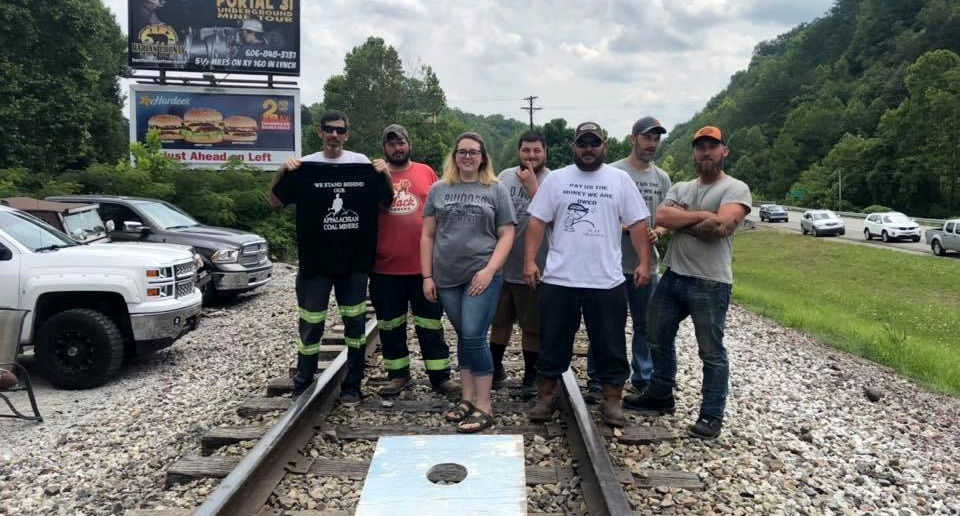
944	239
236	260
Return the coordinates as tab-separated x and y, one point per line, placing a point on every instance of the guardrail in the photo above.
937	223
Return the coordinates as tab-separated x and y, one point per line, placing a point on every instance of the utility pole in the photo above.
531	109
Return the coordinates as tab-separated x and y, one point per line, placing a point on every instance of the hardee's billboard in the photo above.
245	36
209	126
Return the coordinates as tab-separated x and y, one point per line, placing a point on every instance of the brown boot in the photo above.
546	403
610	408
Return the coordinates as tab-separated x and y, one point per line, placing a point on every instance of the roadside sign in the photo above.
798	194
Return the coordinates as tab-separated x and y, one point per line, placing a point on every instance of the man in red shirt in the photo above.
397	282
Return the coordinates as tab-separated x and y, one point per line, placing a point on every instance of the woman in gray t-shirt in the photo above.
467	233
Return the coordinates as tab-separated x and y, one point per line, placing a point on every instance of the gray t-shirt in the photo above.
653	184
468	215
513	268
710	258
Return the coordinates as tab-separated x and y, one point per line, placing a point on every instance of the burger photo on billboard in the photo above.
240	129
169	126
203	125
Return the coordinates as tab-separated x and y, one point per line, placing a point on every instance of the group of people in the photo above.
541	248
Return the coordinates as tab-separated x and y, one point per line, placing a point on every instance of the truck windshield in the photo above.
167	216
83	224
32	233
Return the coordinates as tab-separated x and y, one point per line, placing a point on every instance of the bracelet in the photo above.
425	277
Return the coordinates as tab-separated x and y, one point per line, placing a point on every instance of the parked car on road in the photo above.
821	222
945	239
890	226
236	260
773	213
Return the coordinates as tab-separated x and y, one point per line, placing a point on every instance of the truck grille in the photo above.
186	278
253	254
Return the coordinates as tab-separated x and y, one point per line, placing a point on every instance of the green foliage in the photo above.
59	62
868	93
876	208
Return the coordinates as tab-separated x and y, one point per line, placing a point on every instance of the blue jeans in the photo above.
471	317
641	364
706	303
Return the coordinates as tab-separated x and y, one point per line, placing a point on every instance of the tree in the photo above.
59	62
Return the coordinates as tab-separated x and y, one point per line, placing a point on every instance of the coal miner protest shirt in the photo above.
337	209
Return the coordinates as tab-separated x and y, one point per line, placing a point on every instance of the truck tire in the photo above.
937	248
79	349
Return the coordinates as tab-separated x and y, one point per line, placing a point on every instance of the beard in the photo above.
398	159
589	167
709	170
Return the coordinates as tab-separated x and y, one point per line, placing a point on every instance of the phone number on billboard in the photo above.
272	54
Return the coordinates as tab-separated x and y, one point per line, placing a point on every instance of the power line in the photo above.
531	109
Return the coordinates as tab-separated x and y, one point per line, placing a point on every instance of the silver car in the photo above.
821	222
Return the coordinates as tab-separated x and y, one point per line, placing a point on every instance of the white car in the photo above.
890	226
821	222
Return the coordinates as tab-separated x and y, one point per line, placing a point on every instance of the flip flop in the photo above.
481	419
460	412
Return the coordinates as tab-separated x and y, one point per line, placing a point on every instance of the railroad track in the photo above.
573	459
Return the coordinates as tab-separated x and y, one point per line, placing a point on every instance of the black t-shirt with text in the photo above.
337	207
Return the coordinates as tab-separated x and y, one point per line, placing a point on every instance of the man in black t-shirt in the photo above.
337	195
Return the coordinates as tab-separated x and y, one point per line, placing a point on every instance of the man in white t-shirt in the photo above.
589	203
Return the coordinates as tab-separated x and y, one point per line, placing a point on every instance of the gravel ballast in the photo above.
809	430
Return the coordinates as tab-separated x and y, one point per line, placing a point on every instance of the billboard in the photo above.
209	126
244	36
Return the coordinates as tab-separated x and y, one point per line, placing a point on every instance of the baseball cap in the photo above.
708	131
647	124
252	26
397	130
588	128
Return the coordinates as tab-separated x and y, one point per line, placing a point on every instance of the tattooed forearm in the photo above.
711	228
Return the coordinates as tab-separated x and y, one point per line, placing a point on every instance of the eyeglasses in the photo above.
463	153
333	129
585	143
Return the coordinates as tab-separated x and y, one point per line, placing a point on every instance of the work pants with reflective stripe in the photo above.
313	298
391	295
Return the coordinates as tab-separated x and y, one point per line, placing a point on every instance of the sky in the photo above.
609	62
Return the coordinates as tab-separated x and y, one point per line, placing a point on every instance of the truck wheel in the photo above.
79	349
937	248
866	234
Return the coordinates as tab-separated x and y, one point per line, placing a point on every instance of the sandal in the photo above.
479	420
460	412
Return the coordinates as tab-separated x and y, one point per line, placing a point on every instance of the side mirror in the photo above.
130	226
110	226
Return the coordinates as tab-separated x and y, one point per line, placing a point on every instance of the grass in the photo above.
898	309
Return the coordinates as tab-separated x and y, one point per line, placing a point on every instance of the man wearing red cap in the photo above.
703	214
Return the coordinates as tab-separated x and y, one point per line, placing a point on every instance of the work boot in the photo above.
395	386
610	409
542	410
447	387
499	376
649	405
592	397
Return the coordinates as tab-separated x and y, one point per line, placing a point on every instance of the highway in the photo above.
854	233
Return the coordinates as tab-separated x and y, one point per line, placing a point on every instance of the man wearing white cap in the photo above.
251	32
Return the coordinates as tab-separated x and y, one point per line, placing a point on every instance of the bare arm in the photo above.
674	217
483	277
426	257
531	243
640	239
721	225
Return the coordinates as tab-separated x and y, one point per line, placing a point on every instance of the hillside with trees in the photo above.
868	95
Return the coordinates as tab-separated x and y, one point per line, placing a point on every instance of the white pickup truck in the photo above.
89	304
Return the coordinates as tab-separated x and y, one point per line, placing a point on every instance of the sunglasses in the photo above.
333	129
588	143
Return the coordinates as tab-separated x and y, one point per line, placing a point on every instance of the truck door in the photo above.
9	274
120	214
951	236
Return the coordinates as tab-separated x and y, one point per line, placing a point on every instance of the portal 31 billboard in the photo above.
245	36
210	126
